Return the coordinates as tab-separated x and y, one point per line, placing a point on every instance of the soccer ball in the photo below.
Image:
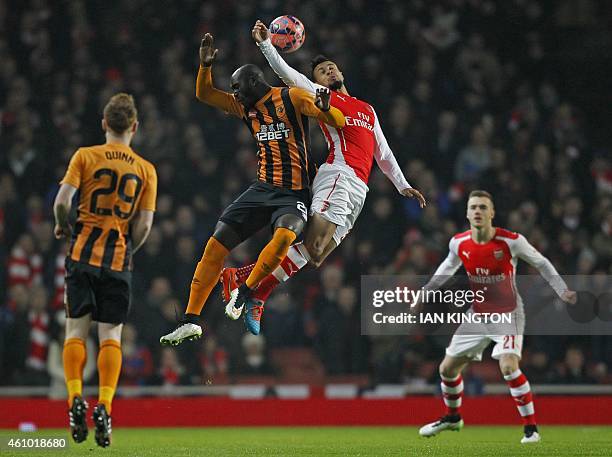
287	33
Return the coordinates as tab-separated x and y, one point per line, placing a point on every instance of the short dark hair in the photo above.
120	112
318	60
481	193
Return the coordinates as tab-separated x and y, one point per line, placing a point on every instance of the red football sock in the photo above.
296	259
452	392
243	273
521	393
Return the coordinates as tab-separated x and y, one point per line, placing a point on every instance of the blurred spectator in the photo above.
137	364
473	383
538	368
480	105
340	347
474	158
573	369
30	335
170	371
213	361
59	274
15	334
25	264
159	290
282	320
158	320
254	360
185	263
444	147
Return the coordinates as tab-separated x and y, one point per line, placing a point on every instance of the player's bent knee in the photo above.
290	222
109	332
215	250
507	369
448	369
508	364
446	372
226	236
78	327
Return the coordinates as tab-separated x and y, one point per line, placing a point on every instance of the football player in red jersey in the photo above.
489	256
340	186
277	119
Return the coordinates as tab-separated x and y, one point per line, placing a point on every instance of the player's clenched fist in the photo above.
207	51
322	99
62	232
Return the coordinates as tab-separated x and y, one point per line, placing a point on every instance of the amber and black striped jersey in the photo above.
279	124
113	182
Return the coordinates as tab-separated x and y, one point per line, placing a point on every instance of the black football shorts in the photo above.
262	204
103	292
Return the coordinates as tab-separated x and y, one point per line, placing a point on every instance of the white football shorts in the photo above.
338	196
470	340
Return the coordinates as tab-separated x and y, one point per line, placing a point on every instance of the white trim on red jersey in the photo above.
335	146
336	141
519	249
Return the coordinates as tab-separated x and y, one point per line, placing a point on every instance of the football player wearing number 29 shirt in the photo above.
489	256
117	192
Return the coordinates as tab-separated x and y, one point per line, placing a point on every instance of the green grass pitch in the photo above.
332	441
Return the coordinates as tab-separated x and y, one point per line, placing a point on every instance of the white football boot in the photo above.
440	425
184	331
534	437
230	310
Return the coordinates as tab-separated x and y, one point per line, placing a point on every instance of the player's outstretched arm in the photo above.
286	73
525	251
205	90
388	164
446	269
318	106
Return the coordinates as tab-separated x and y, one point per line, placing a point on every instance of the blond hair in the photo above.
120	112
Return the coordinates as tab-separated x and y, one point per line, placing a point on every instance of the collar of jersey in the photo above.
269	93
125	146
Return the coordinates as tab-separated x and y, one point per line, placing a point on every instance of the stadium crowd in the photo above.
468	97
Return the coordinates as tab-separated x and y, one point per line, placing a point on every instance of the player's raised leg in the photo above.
319	232
109	367
205	278
336	204
287	228
521	393
452	392
319	239
74	358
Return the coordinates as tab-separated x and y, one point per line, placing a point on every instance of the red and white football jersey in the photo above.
353	145
491	267
353	148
